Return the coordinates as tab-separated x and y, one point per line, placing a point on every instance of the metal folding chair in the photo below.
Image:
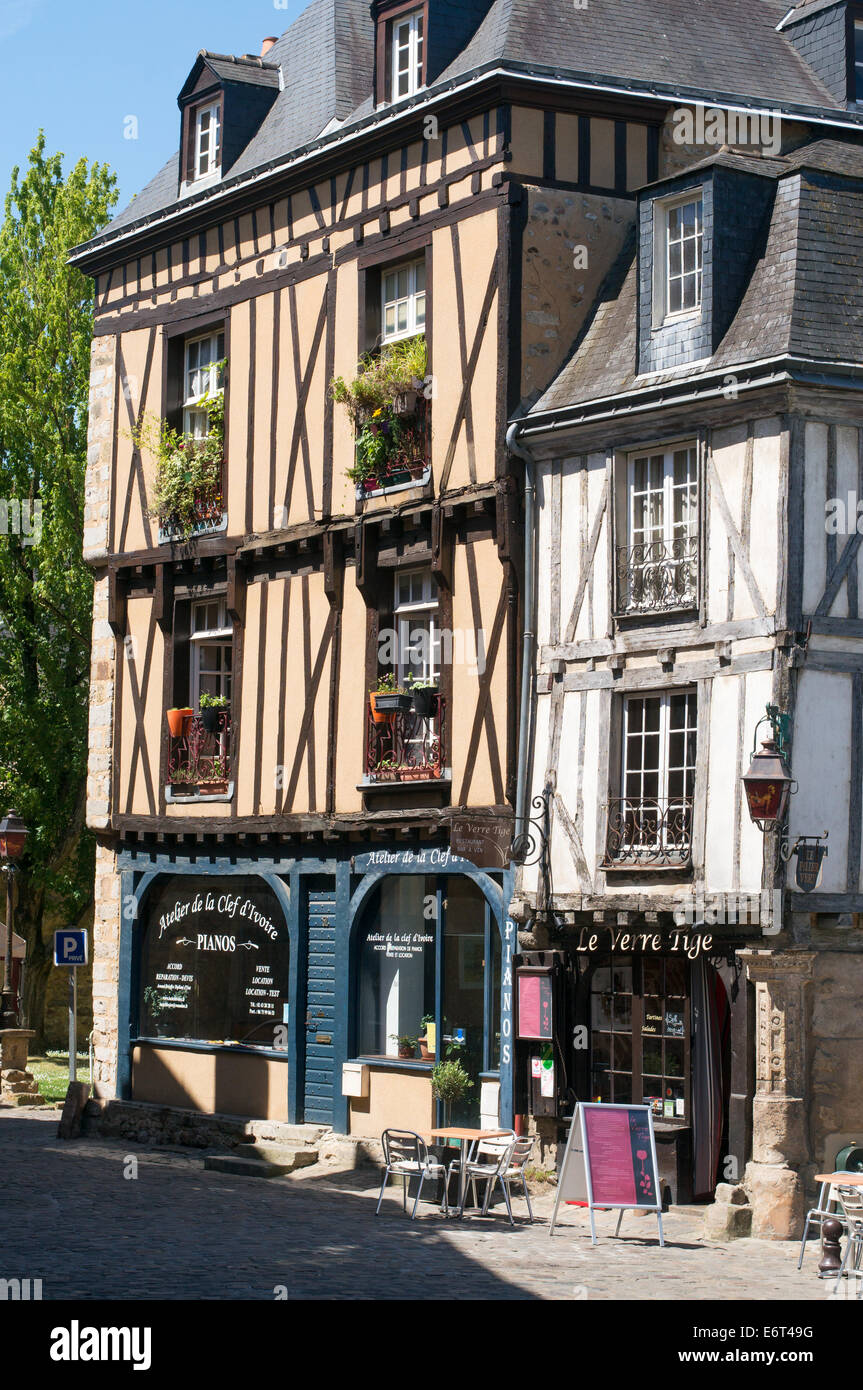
406	1156
851	1202
828	1204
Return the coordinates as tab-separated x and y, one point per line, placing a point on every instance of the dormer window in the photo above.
407	55
208	139
858	61
678	257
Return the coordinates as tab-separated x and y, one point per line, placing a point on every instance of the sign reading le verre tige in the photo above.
215	962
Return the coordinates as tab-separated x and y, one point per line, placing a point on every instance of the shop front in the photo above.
318	990
653	1016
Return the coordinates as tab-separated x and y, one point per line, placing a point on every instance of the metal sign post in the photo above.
70	950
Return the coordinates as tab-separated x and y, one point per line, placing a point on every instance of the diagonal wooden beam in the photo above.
302	384
838	574
462	348
483	714
737	545
467	383
573	840
311	699
139	698
587	564
135	423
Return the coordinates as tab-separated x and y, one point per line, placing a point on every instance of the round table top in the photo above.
843	1179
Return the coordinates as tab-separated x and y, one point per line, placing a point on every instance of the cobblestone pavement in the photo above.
73	1220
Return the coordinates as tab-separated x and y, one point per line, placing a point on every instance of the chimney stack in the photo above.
267	45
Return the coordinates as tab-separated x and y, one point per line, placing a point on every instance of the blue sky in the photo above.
79	68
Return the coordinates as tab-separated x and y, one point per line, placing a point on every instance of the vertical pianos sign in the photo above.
610	1162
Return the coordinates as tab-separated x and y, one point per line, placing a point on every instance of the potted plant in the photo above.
212	707
178	720
184	781
383	401
187	492
425	694
389	699
427	1041
407	1044
216	781
450	1083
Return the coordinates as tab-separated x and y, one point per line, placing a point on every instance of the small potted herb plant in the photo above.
184	781
407	1045
388	699
212	708
425	694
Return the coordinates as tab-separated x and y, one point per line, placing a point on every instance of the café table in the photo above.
466	1138
829	1266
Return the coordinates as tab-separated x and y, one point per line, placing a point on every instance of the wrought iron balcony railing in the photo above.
209	511
406	746
405	429
657	576
201	759
644	832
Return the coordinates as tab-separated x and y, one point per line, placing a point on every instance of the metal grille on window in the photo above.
657	569
650	824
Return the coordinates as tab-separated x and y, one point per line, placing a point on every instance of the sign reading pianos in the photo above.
215	962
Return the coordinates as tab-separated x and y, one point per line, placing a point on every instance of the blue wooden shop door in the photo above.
320	1010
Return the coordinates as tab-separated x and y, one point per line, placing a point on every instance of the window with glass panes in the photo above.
403	301
659	567
211	644
408	41
201	378
684	250
208	140
858	61
415	608
660	741
640	1034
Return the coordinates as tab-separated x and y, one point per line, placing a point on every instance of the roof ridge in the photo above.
251	59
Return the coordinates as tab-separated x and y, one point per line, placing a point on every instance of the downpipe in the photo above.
528	638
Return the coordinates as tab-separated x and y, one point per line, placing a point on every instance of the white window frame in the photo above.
414	47
671	530
195	420
663	769
857	96
213	137
662	275
415	322
221	635
404	614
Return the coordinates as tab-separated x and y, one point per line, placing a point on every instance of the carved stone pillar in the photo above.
780	1128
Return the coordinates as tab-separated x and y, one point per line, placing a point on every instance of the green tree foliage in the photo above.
46	311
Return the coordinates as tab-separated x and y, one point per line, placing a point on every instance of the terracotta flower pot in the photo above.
178	720
377	715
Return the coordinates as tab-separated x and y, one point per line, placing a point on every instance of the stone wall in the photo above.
100	437
836	1115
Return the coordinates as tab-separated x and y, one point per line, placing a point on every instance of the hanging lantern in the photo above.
13	836
767	785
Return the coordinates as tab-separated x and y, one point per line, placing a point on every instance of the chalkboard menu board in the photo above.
214	962
610	1162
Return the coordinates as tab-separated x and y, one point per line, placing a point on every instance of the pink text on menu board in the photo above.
609	1154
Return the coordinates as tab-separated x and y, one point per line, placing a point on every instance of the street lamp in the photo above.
13	837
768	783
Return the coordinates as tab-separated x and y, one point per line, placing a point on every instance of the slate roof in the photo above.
728	51
804	298
254	71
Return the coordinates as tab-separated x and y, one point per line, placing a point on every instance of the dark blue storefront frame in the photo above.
139	871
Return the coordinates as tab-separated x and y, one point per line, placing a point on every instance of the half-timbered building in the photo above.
702	448
303	892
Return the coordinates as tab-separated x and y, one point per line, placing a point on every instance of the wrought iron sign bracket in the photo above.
531	846
811	853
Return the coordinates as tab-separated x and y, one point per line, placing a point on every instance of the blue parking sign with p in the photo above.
70	948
